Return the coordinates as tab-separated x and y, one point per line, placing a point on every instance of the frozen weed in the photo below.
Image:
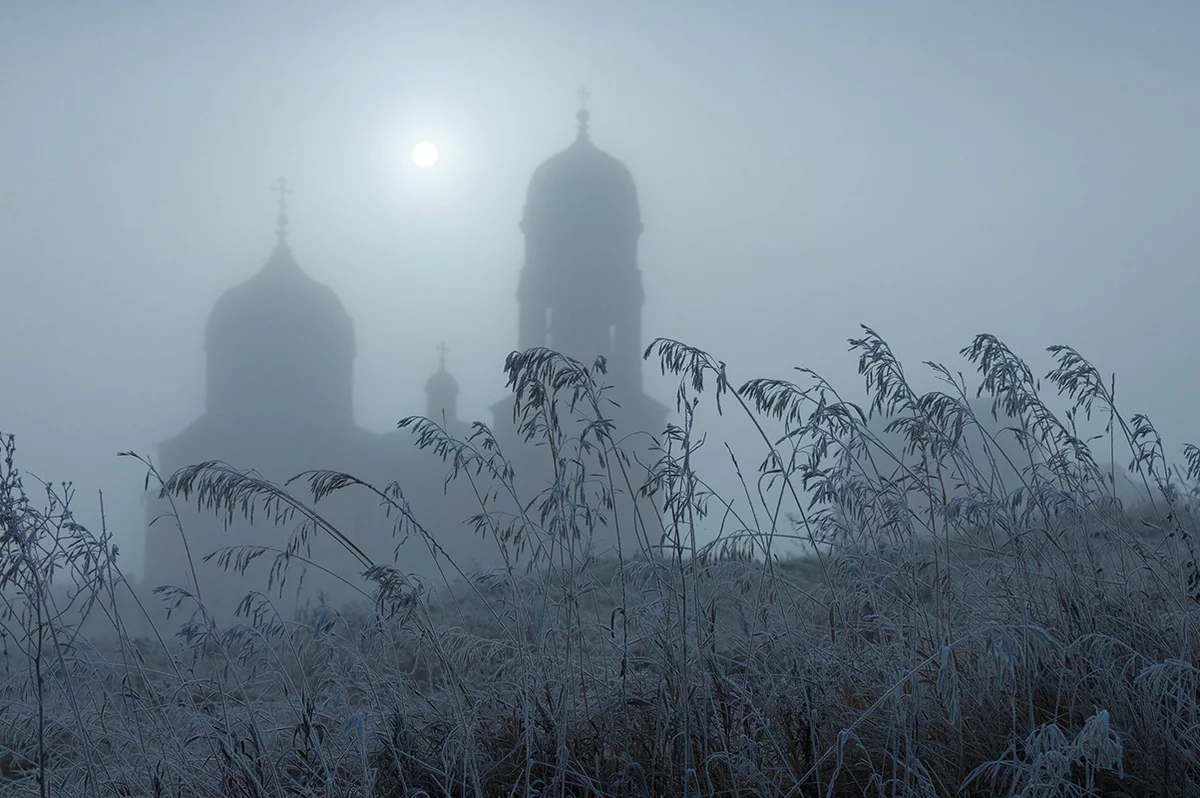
974	613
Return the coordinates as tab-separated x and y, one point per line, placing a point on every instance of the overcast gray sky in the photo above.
933	169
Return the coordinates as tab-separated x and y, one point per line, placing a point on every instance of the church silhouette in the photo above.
280	352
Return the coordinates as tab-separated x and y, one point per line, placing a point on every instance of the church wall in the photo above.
358	513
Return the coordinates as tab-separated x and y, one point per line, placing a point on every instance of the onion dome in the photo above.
280	337
582	187
280	302
441	391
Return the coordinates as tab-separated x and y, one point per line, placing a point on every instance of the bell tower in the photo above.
580	294
580	290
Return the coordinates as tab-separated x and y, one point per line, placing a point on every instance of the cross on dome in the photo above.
280	187
583	115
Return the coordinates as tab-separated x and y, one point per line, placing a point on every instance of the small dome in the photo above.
441	391
278	303
441	384
582	185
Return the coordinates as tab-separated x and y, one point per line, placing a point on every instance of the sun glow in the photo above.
425	154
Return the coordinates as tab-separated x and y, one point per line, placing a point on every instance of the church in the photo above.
280	352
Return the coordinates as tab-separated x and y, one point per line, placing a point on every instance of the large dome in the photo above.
280	351
280	303
582	186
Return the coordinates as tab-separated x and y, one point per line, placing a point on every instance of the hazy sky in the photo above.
933	169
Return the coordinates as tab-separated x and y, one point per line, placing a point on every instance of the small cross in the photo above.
280	186
442	350
583	94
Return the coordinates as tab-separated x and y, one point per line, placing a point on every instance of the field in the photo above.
977	622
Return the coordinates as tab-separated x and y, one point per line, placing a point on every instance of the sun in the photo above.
425	154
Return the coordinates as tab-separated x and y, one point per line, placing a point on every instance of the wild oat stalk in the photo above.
975	613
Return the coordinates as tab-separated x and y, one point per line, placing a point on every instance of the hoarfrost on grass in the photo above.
974	612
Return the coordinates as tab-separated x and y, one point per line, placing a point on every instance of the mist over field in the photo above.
931	169
266	233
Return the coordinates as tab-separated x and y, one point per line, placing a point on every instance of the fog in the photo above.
931	169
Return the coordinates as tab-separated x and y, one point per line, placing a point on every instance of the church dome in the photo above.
582	187
280	302
280	349
441	391
441	384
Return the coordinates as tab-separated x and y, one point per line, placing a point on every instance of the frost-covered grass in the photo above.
946	633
